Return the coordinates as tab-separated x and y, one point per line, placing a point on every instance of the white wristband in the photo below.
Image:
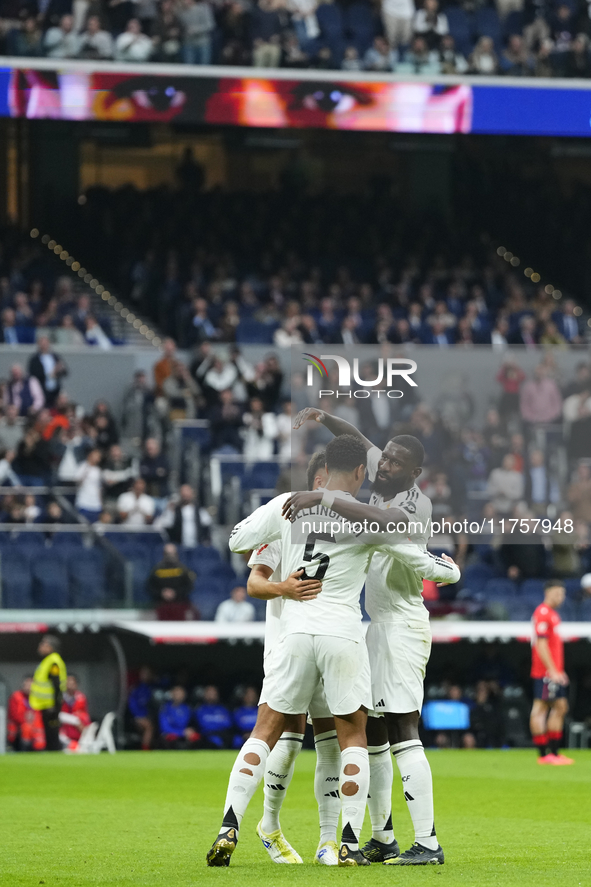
327	498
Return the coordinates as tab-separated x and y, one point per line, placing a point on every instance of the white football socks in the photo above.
417	784
278	774
379	799
326	784
247	772
354	785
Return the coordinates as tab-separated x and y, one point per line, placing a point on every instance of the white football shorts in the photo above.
302	662
318	707
398	656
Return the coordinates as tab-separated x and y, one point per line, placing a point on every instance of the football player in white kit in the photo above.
399	644
319	639
265	583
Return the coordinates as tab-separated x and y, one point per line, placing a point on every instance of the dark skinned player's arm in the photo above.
350	509
334	425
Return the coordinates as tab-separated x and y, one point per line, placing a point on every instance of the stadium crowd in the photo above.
514	37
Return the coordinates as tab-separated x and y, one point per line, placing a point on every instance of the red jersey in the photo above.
23	721
78	706
545	625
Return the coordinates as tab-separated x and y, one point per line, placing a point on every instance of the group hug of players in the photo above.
363	695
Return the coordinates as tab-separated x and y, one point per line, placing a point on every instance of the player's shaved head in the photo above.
316	464
413	446
345	453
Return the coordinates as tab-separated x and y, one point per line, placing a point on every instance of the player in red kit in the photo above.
74	715
25	727
550	681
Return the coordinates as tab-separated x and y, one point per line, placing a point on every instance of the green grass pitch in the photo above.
147	819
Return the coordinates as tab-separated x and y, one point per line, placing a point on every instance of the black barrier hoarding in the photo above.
506	433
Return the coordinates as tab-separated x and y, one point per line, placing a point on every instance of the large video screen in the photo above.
80	93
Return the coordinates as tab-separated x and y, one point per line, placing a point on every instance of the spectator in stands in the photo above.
524	561
24	392
510	377
483	59
568	322
214	720
133	45
119	470
95	43
485	717
526	334
138	415
397	18
140	704
11	428
175	722
576	413
267	27
25	726
185	522
74	716
237	608
450	60
67	334
154	469
516	60
245	716
540	400
166	34
181	392
49	369
506	486
62	42
164	367
32	460
430	23
579	493
380	56
95	335
260	432
539	488
136	508
7	475
9	330
28	39
170	584
198	24
89	494
226	422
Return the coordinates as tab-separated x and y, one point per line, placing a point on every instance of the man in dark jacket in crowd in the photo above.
170	584
49	369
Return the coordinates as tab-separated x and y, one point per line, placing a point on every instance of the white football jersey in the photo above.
270	556
393	591
340	561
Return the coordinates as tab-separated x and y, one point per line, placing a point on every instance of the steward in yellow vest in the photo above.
49	684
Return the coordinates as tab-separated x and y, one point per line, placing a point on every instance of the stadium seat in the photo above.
86	569
17	580
513	24
360	25
533	589
254	332
461	29
332	31
475	576
499	589
261	475
51	587
573	587
139	556
209	596
487	24
67	540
